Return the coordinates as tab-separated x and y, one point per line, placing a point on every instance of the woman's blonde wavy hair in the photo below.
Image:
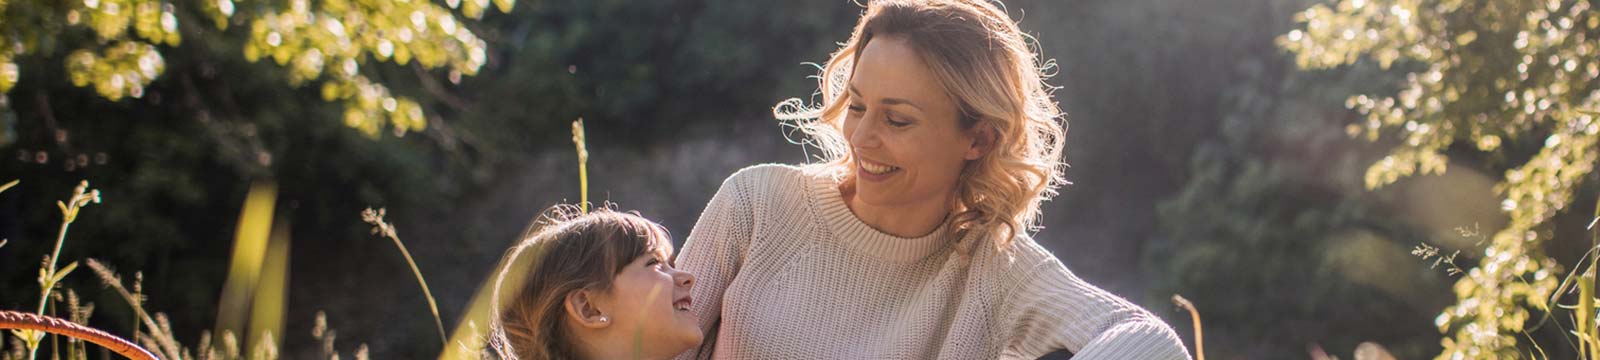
993	71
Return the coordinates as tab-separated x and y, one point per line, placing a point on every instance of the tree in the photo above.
175	105
328	42
1510	79
647	77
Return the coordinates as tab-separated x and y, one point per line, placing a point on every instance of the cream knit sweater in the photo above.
784	270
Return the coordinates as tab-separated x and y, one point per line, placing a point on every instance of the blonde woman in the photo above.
909	241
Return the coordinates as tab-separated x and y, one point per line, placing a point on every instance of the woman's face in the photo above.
650	300
902	127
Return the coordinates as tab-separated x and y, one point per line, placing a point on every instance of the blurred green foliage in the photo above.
1508	78
1197	145
332	38
1268	229
228	102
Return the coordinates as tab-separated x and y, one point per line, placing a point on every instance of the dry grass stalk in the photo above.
375	217
1199	343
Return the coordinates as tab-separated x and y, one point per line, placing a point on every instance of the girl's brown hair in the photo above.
993	71
563	251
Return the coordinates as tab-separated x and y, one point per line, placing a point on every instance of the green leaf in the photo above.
62	274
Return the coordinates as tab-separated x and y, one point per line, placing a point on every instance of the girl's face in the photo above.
651	302
903	128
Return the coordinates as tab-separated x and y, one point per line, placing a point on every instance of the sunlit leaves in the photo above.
324	41
219	11
119	70
331	40
119	63
8	73
369	107
1488	73
151	21
475	8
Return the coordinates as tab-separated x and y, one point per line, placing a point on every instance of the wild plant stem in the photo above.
1588	331
1199	343
50	270
578	138
432	306
69	213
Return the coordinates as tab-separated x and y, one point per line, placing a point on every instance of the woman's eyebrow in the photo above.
887	101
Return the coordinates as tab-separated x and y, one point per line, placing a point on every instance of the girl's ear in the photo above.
983	139
583	310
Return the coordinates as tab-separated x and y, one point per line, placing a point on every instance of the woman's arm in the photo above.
1052	309
713	252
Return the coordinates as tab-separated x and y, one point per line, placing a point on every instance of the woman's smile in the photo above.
872	171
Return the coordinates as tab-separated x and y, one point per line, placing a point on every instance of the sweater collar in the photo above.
851	231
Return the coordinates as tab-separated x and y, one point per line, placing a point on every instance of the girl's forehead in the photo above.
661	243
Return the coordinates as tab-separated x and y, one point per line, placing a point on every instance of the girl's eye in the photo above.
896	123
857	108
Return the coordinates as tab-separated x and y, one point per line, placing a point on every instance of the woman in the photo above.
910	241
601	287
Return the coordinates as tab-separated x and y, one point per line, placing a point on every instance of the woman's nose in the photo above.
865	133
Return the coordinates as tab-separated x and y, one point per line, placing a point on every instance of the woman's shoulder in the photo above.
762	172
1022	258
776	179
780	171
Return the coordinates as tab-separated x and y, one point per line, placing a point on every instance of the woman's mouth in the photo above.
876	168
682	304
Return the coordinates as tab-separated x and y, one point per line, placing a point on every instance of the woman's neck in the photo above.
910	220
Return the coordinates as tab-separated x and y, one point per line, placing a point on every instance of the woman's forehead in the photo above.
889	67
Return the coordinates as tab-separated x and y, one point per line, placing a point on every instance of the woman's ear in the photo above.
983	139
583	310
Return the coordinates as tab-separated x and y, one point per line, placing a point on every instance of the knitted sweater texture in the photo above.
785	270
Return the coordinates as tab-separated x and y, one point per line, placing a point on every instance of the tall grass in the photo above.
3	188
1199	338
243	290
375	217
153	332
1579	285
254	289
49	275
469	341
579	139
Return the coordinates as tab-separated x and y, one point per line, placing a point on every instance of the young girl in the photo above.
599	285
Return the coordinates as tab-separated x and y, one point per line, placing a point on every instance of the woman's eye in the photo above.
896	123
857	108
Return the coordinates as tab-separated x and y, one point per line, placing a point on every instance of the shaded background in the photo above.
1203	163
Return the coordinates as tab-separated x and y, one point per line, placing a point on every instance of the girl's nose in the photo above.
684	278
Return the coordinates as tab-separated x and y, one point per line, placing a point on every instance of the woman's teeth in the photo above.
681	305
877	168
